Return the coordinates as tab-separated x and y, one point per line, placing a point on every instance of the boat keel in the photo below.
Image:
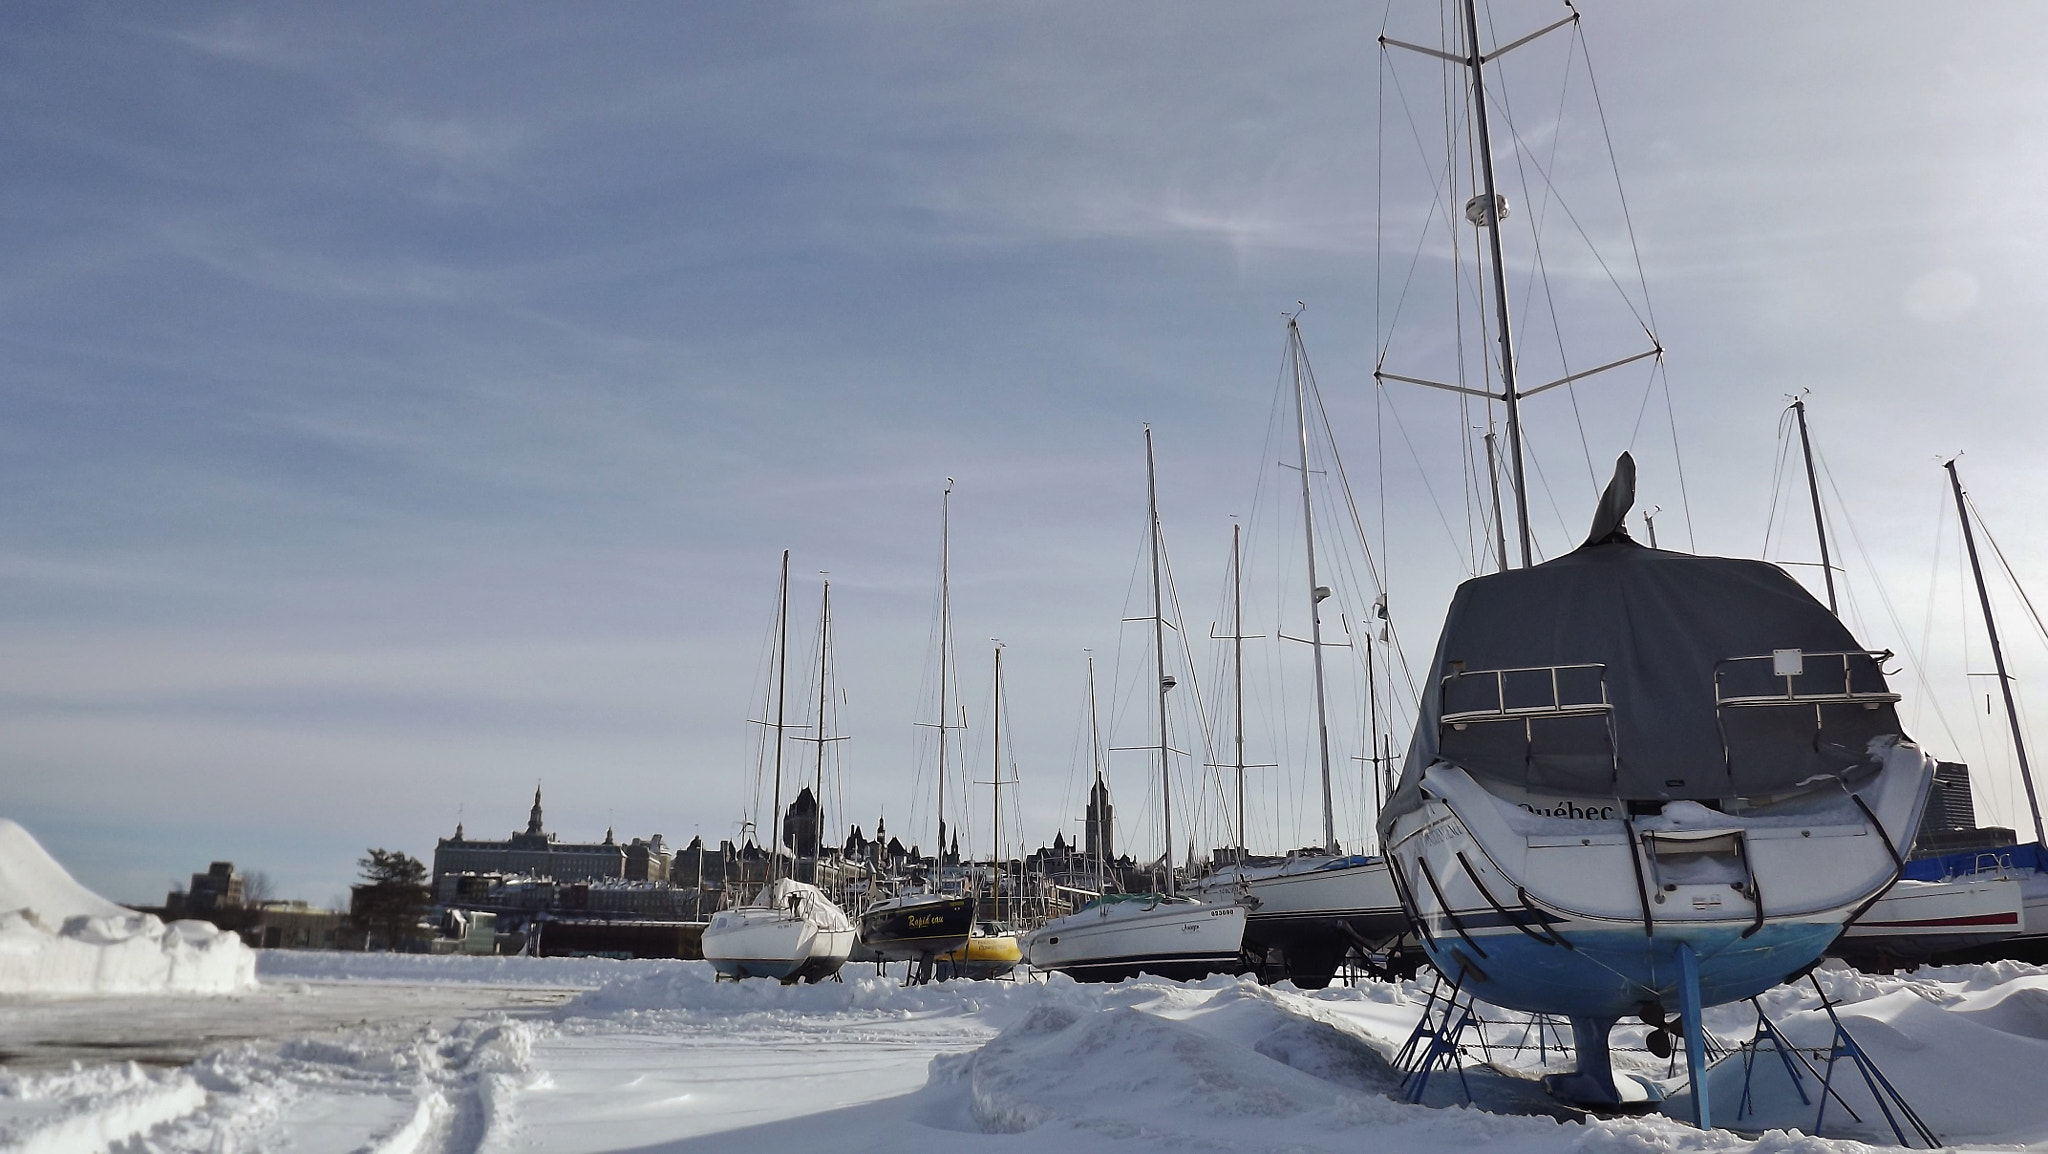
1592	1084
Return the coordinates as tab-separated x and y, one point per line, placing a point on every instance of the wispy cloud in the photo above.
429	399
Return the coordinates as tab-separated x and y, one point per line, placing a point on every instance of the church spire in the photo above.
533	817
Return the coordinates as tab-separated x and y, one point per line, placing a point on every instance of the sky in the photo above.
404	405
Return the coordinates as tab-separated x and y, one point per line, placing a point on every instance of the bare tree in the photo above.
256	888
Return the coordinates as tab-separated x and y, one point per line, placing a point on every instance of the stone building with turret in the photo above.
536	853
1098	825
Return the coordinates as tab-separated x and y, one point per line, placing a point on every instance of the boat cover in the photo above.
1596	675
2032	856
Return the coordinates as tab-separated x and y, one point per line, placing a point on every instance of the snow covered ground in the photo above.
447	1054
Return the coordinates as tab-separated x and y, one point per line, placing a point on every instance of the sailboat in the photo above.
1975	919
1309	910
1922	915
1643	778
1118	936
790	931
918	925
1638	777
991	949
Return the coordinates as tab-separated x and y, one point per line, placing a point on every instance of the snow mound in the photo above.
57	937
1238	1060
1964	1044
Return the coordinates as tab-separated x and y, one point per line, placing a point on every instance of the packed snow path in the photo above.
487	1055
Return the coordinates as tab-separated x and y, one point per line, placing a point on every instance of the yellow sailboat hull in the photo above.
989	956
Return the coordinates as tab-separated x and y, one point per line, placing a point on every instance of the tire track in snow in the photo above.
468	1081
101	1120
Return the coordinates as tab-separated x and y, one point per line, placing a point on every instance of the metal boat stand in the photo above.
1881	1088
1843	1045
1766	1030
1434	1043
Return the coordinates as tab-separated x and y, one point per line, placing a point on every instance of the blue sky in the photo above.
404	404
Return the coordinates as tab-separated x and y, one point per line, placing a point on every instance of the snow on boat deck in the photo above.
343	1053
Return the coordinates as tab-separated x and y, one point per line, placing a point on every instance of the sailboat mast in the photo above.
1095	749
824	653
1316	592
945	650
1237	672
1372	711
995	784
1500	529
781	693
2012	713
1491	218
1159	657
1820	527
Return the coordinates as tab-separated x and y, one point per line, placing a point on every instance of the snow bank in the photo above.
1222	1064
1964	1044
57	937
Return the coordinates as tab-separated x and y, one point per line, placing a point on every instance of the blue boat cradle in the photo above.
1899	1114
1453	1021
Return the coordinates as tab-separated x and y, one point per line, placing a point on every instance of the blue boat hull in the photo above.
1610	973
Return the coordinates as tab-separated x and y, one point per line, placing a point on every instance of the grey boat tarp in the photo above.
1620	649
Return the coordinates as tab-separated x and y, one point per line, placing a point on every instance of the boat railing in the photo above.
1801	677
1535	691
1999	865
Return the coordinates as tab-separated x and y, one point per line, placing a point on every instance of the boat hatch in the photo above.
1820	710
1687	859
1546	727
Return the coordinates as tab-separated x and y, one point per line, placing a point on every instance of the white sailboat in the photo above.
1119	936
1916	920
1919	917
1308	911
1643	778
1972	876
1639	778
790	931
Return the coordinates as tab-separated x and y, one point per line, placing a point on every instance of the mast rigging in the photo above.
2012	712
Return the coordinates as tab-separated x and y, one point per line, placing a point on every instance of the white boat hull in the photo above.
805	939
1583	915
1312	910
2026	868
1113	940
1915	920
